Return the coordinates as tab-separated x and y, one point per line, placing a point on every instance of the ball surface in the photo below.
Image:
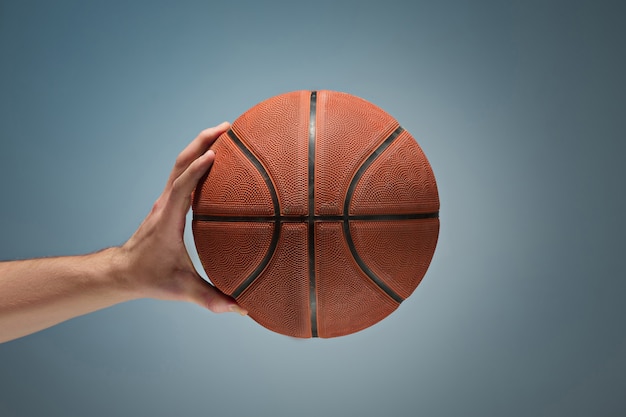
320	214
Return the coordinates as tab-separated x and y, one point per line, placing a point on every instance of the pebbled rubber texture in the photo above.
319	215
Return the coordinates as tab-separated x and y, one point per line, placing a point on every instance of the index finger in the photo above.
196	149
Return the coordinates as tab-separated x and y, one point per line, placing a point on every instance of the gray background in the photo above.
519	107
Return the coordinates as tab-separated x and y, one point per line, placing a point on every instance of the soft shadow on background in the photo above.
519	107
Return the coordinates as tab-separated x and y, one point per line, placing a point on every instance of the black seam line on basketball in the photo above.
346	219
276	234
322	218
311	215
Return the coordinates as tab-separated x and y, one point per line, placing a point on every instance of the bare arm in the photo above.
153	263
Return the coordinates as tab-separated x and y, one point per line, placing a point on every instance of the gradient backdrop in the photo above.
519	107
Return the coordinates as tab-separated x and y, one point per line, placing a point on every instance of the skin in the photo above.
154	263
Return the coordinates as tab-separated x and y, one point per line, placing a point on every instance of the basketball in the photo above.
320	214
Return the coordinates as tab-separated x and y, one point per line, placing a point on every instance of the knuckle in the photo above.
181	161
178	184
157	205
214	303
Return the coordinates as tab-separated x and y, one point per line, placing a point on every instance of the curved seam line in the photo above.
276	218
346	218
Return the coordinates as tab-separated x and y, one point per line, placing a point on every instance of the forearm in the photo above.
39	293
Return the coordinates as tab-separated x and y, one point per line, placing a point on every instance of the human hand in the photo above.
155	260
39	293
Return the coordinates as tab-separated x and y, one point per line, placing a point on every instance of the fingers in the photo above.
207	296
183	186
196	148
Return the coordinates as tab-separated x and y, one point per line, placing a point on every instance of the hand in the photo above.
39	293
155	257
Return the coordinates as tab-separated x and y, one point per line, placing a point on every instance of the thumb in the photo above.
209	297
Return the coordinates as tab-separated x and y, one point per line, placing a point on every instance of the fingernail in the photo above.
236	309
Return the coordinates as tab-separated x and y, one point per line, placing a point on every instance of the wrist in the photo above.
116	273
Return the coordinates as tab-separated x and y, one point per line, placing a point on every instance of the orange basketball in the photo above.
320	214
